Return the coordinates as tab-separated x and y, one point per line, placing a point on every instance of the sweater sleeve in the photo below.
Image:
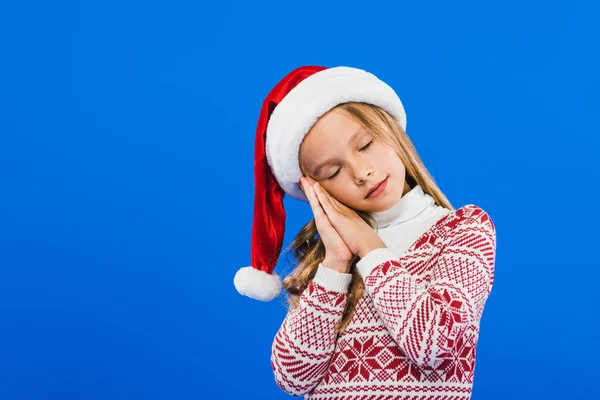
305	342
427	319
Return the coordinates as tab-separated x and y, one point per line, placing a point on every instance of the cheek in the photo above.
341	193
393	161
385	160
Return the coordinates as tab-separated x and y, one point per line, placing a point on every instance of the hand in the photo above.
354	231
337	252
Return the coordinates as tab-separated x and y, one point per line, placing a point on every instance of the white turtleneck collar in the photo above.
408	207
400	226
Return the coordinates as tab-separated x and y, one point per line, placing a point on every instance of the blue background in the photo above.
126	154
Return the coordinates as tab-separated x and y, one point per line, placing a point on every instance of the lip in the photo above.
377	189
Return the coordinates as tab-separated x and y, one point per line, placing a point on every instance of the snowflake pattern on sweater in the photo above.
414	332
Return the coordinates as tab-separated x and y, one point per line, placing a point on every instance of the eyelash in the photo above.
338	171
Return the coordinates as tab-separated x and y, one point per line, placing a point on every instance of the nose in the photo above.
362	172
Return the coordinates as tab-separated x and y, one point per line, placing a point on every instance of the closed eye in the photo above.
368	144
338	171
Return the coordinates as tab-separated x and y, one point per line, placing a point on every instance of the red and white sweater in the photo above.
414	332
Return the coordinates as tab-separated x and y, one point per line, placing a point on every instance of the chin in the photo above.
394	193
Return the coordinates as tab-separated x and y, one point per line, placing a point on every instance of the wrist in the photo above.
342	267
375	243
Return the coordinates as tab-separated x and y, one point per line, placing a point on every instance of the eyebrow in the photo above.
326	162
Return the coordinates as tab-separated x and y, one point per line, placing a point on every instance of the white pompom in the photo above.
257	284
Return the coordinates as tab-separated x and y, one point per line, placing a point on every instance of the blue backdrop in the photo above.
126	154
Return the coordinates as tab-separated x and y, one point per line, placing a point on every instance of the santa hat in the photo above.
288	113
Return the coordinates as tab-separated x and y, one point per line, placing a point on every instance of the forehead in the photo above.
333	124
330	134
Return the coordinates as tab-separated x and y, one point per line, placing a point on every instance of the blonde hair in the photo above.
308	249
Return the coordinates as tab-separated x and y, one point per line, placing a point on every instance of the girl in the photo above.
390	281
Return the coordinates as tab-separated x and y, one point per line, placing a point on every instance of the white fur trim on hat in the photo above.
257	284
297	112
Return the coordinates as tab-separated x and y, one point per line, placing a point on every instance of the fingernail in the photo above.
317	184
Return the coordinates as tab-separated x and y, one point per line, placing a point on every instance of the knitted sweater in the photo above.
414	332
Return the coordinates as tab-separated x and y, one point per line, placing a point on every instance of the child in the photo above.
391	281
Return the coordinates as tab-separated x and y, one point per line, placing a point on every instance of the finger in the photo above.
309	180
311	197
324	199
303	186
322	190
317	206
321	219
334	203
310	194
307	191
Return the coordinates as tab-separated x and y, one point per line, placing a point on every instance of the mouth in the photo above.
377	189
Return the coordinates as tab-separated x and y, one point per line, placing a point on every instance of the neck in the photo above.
410	205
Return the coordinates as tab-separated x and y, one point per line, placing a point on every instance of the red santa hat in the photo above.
287	114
